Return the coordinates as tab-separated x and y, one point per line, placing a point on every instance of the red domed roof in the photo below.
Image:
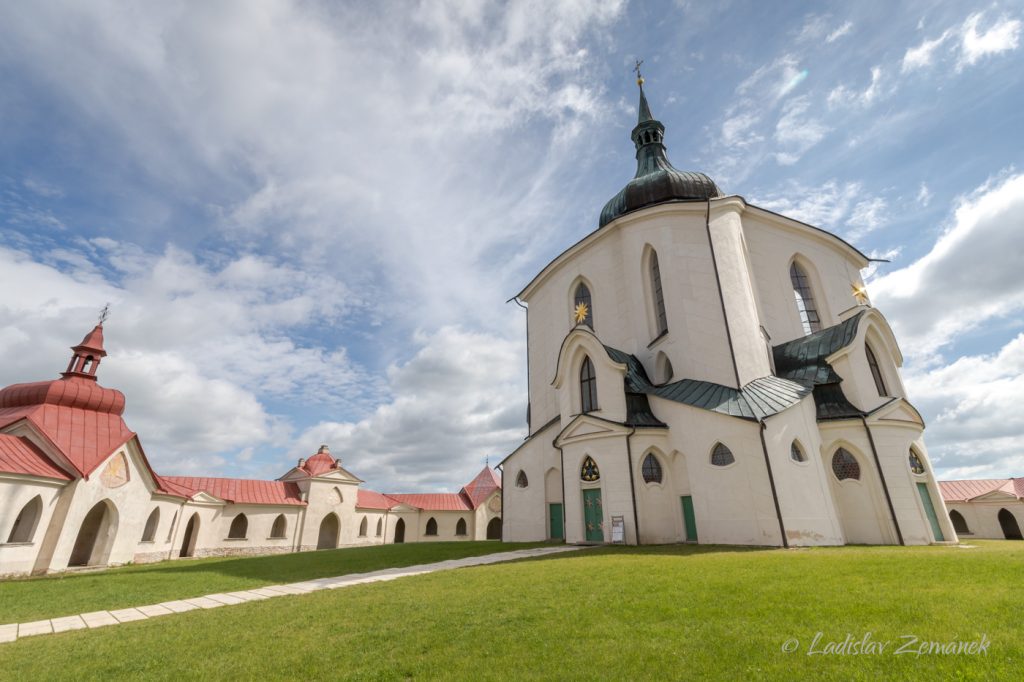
73	391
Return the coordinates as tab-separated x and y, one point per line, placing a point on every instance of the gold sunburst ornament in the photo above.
580	314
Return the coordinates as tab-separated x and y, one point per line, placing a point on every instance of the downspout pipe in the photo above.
632	485
771	482
881	477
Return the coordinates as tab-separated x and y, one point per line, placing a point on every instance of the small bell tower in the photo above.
87	355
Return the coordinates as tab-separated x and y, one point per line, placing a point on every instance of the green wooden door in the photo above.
593	515
556	521
929	510
689	520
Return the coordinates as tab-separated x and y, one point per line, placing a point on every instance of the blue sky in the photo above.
307	217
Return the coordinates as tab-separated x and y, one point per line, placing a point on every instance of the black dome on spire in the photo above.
656	180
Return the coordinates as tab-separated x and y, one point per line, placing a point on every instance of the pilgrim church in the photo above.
76	490
705	370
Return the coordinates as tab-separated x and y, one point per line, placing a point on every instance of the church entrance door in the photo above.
689	520
555	511
593	515
929	510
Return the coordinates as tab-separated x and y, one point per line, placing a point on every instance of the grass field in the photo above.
610	613
29	599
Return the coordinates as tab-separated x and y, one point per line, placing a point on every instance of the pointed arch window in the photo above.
460	527
280	528
363	527
657	294
796	452
844	465
431	526
380	526
916	465
876	371
24	528
521	480
582	297
589	471
588	386
805	304
721	456
239	528
149	532
651	469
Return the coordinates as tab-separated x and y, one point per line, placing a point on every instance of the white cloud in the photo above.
924	195
839	32
461	398
776	79
977	422
842	96
1002	36
971	276
867	216
825	206
736	131
796	132
922	55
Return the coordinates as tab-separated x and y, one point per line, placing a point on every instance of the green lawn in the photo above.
610	613
24	600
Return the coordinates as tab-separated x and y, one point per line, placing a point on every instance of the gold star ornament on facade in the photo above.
580	314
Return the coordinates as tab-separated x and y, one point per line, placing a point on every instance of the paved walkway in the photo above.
98	619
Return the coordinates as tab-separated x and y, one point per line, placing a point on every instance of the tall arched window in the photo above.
657	295
651	469
239	528
876	371
584	315
804	299
460	527
280	527
588	386
431	526
845	465
380	526
363	527
151	523
959	522
521	480
721	456
24	528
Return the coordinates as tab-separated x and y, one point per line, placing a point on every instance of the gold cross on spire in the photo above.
104	314
639	78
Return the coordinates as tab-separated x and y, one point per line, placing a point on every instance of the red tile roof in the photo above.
19	456
481	487
371	499
434	501
964	491
320	463
238	490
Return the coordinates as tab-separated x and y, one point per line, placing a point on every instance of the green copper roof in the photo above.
656	180
803	361
758	399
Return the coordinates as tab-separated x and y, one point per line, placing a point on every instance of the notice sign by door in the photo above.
618	530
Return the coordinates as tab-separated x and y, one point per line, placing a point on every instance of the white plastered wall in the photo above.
15	492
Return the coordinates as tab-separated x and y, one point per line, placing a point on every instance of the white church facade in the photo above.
705	370
76	490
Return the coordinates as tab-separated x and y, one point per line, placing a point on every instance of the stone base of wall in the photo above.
241	551
149	557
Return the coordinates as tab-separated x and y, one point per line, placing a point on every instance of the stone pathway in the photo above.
98	619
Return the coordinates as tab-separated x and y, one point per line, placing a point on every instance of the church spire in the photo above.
645	109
